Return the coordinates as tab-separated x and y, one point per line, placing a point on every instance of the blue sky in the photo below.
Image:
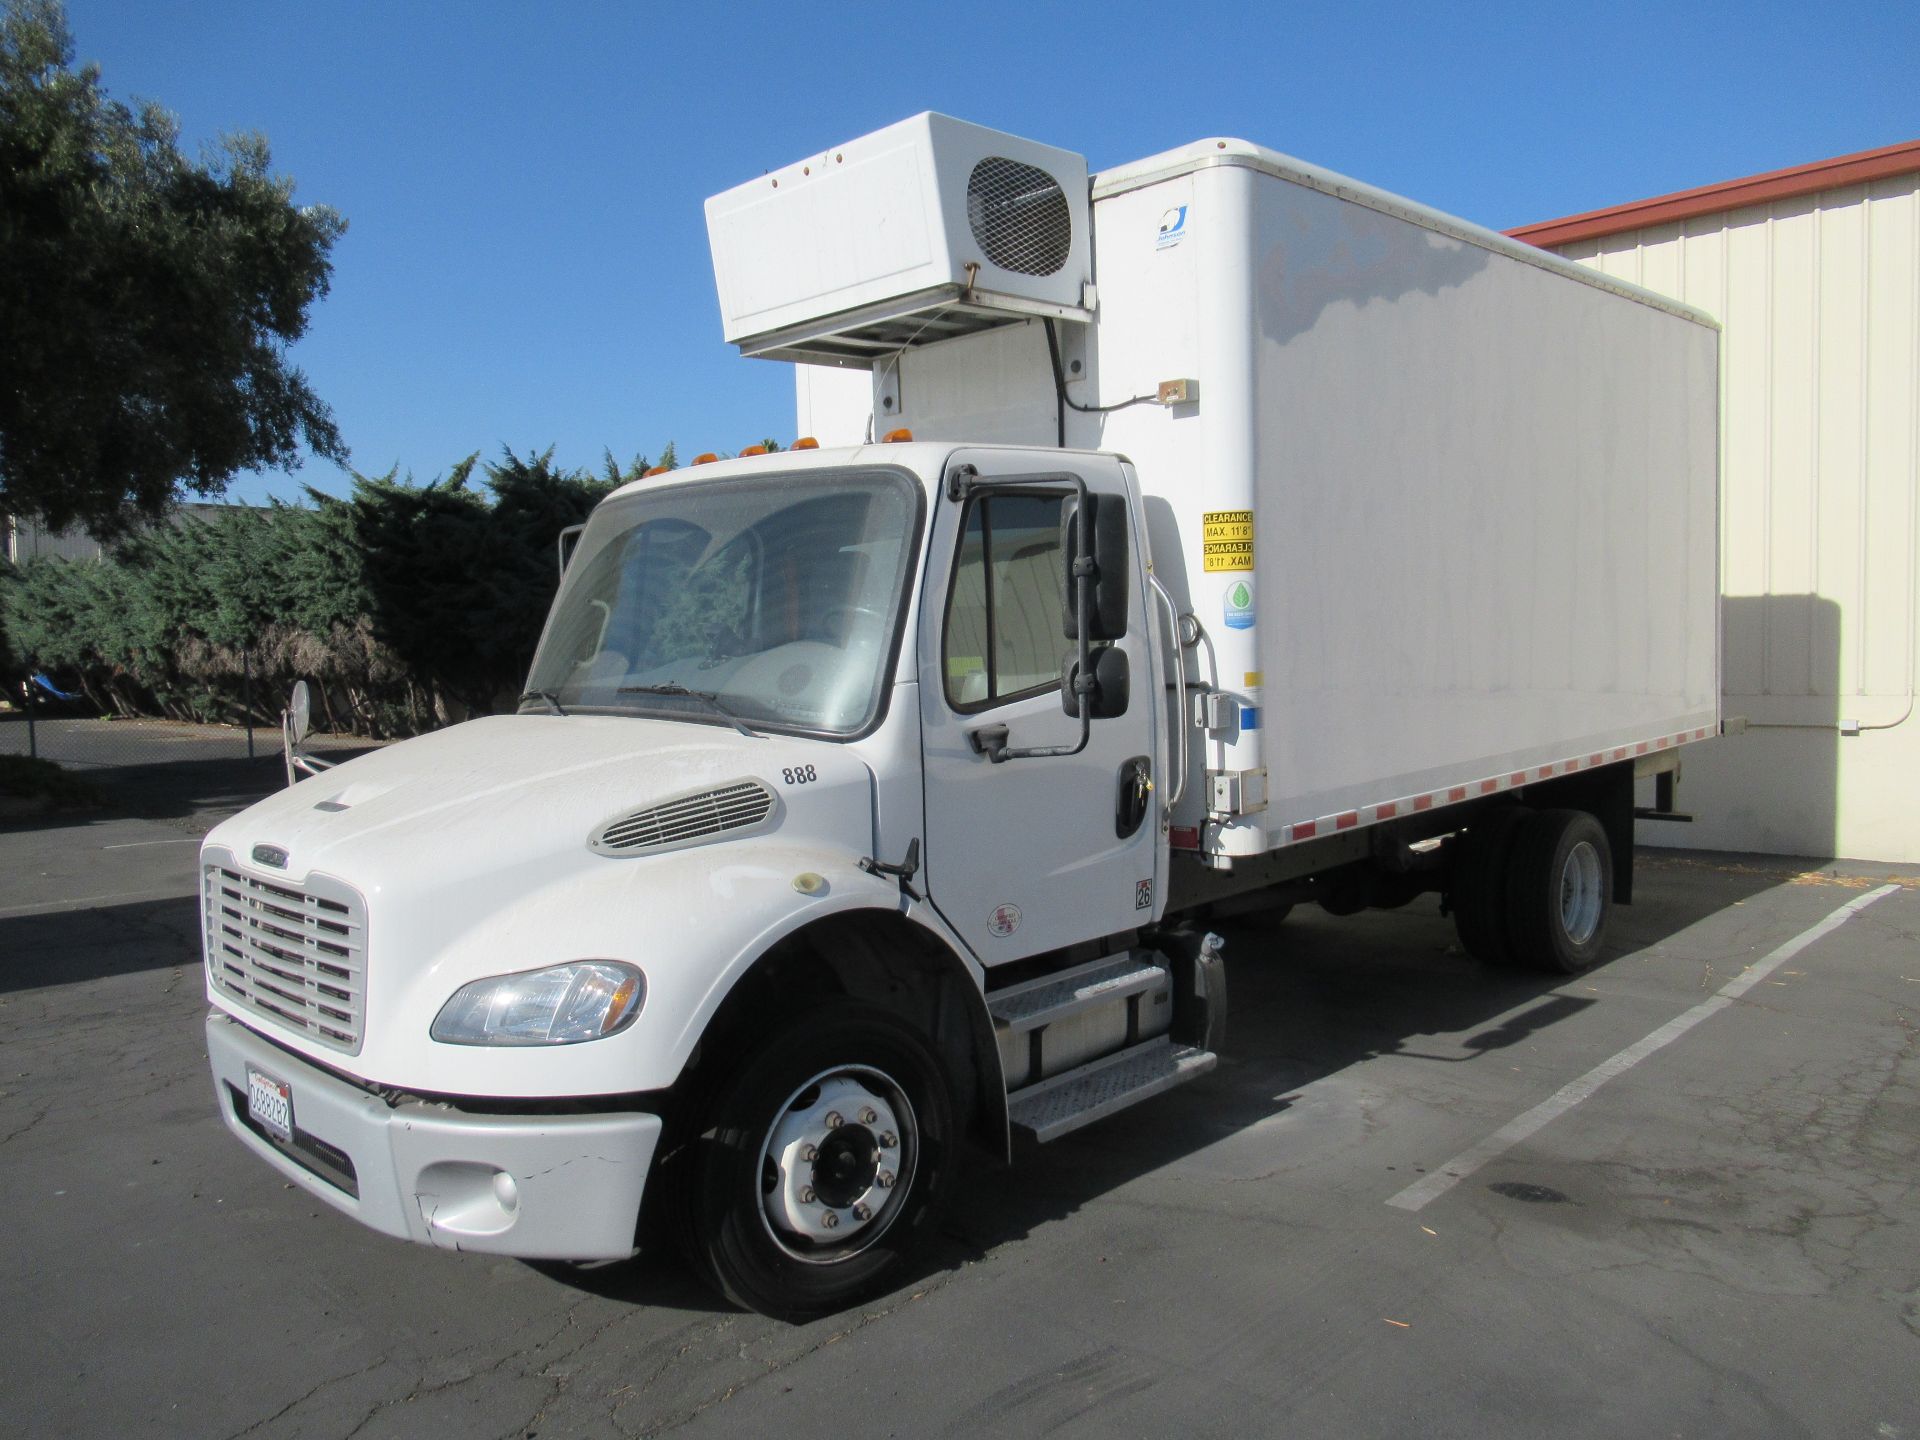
527	260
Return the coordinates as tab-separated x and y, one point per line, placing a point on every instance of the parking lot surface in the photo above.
1719	1235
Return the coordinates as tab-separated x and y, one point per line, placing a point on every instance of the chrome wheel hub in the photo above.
837	1158
1580	899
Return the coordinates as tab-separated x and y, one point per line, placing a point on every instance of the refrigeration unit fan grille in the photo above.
1019	215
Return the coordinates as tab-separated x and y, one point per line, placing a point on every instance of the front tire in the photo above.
822	1163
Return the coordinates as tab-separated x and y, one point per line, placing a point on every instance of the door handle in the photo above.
990	741
1136	784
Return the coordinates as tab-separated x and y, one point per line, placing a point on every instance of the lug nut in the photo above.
829	1220
809	1154
863	1212
888	1140
884	1179
834	1122
867	1117
806	1194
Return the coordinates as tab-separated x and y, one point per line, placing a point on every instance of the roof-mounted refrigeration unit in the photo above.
917	233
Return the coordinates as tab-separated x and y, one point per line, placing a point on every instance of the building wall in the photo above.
1820	510
27	541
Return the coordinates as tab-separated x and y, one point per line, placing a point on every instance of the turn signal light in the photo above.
806	442
895	437
706	459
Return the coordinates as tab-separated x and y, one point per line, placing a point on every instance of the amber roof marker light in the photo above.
896	437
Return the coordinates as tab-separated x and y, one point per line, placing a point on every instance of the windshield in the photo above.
778	595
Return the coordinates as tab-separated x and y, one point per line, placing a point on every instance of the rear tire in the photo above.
822	1163
1481	875
1561	892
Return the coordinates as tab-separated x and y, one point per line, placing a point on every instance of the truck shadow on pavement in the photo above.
1309	999
67	947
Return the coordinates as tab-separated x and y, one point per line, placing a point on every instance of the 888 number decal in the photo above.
799	775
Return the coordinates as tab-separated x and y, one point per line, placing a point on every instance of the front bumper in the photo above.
542	1187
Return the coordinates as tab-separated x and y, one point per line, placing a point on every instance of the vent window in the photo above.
1019	216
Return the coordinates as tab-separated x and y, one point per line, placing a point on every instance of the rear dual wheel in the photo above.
1534	888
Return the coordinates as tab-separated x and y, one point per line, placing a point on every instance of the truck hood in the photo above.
470	853
500	792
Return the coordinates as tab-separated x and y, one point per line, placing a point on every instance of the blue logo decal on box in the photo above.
1173	228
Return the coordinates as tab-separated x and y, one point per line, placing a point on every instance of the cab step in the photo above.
1056	997
1059	1106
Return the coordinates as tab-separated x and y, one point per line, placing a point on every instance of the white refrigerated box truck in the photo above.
1219	532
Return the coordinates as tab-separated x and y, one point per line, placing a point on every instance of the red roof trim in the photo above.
1727	195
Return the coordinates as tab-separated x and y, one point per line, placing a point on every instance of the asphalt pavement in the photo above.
166	769
1417	1198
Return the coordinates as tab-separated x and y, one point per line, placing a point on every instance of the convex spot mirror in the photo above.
1111	683
1108	618
300	711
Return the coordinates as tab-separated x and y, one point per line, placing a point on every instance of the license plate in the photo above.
270	1103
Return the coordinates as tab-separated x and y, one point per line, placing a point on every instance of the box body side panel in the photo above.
1484	499
1487	511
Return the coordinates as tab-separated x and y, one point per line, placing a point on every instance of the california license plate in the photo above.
270	1103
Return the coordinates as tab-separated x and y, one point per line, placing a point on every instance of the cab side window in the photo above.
1002	639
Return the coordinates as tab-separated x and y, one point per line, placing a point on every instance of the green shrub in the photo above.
404	605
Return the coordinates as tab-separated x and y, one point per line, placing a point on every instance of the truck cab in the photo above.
812	743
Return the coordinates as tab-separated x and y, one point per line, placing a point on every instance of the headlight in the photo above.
560	1005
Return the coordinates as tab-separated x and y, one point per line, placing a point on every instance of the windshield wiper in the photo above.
553	700
673	688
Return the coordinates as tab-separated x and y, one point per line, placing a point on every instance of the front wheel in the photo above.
823	1162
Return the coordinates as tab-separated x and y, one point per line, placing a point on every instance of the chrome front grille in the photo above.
687	820
296	955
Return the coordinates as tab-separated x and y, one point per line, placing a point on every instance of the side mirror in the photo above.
300	711
1111	565
569	537
1112	683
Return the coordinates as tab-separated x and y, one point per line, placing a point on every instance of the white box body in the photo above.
1482	485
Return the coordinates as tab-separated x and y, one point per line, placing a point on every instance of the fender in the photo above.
850	891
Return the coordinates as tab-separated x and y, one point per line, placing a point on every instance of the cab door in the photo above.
1033	852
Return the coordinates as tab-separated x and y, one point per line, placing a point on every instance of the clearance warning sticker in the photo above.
1226	540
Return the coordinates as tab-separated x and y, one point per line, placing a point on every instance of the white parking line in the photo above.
137	844
1564	1099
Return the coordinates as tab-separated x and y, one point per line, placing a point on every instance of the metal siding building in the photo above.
1815	274
27	541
